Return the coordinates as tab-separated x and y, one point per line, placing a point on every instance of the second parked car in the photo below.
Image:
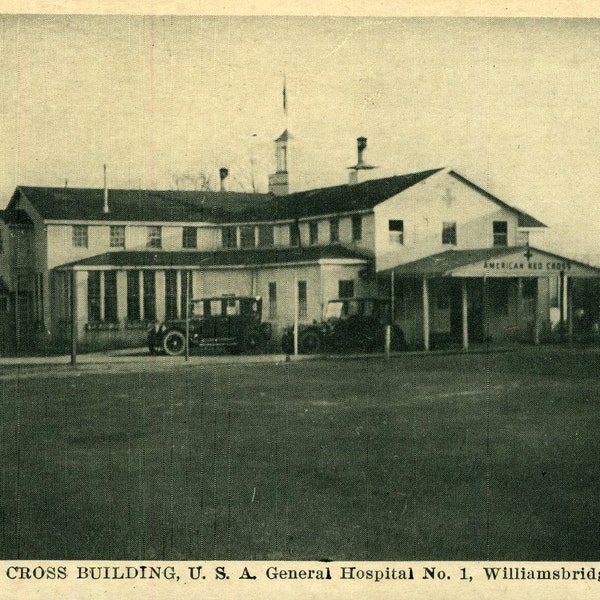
351	324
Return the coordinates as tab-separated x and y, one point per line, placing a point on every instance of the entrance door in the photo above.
475	310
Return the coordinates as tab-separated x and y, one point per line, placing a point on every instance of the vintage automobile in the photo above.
357	324
231	322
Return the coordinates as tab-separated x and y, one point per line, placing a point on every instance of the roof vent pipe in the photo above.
361	144
105	206
223	173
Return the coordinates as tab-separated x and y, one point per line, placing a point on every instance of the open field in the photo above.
481	456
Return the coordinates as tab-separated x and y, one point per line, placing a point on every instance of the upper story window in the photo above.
80	236
356	228
449	233
265	235
247	236
154	239
190	237
294	234
334	230
229	236
396	230
117	236
500	233
345	288
313	232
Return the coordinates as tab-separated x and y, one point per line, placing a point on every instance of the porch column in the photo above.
102	296
160	296
122	296
425	313
569	286
536	315
179	293
81	298
465	315
561	304
141	293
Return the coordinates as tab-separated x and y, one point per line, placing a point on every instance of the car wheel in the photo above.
174	343
309	342
252	342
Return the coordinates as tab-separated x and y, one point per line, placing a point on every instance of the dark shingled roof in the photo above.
84	204
239	257
216	207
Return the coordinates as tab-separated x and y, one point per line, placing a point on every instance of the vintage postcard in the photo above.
299	301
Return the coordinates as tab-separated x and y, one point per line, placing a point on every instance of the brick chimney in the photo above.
223	173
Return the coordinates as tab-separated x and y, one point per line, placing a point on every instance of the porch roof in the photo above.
218	258
507	261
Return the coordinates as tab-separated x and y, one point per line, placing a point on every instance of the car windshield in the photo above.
334	310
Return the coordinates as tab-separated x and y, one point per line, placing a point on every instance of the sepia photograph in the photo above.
299	288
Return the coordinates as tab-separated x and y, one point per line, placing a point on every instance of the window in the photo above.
396	229
302	303
171	294
500	233
80	236
313	232
345	288
149	295
133	296
229	236
334	230
272	300
117	236
110	296
356	228
154	237
93	296
247	236
295	234
449	233
190	237
265	235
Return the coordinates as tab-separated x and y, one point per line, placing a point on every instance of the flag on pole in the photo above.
284	97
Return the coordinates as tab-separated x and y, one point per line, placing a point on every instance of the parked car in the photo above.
357	324
232	322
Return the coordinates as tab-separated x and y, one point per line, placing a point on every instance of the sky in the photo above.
511	104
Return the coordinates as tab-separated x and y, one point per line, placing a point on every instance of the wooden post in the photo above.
187	315
561	305
296	316
569	285
388	341
73	318
425	313
536	319
465	315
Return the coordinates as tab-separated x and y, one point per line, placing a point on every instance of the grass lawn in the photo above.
482	456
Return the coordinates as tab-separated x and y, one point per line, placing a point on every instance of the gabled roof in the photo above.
85	204
524	220
226	257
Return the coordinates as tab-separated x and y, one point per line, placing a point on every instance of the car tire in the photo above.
174	343
309	342
252	342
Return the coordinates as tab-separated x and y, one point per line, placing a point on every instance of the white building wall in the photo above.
424	208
